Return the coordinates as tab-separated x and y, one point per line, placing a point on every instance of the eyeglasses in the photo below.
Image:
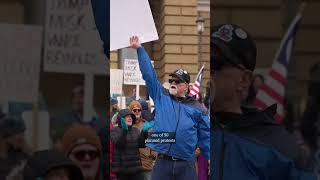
81	155
177	81
136	110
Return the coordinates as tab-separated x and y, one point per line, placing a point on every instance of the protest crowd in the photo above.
142	119
78	149
230	131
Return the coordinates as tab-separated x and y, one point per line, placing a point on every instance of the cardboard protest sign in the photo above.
129	18
72	42
20	55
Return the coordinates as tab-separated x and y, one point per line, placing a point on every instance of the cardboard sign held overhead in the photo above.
127	18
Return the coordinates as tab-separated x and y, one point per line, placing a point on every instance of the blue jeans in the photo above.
147	175
174	170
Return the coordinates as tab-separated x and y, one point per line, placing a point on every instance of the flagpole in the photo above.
302	7
200	69
193	91
275	87
291	76
290	93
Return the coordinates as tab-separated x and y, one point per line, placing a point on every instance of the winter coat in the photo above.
183	119
126	144
253	146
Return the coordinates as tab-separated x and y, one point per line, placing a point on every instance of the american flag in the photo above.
273	90
197	84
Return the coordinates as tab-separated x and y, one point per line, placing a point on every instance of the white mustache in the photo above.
173	86
172	90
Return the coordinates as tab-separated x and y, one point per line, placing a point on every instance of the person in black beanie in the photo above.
13	147
146	113
113	107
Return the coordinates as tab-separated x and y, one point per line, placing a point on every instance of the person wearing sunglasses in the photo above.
136	109
51	165
248	143
126	140
181	118
140	123
146	154
82	145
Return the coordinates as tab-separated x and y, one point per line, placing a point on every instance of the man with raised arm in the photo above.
181	124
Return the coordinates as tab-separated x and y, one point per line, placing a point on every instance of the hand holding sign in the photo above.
134	42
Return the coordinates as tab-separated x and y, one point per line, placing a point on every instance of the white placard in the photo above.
127	18
72	42
43	138
131	72
121	102
116	81
20	55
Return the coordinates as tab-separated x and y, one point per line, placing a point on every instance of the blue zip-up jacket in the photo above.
253	147
185	117
101	12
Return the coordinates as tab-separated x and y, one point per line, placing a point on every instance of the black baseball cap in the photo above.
236	45
113	101
182	75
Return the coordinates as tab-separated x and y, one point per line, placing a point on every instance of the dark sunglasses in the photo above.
177	81
220	64
136	110
81	155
